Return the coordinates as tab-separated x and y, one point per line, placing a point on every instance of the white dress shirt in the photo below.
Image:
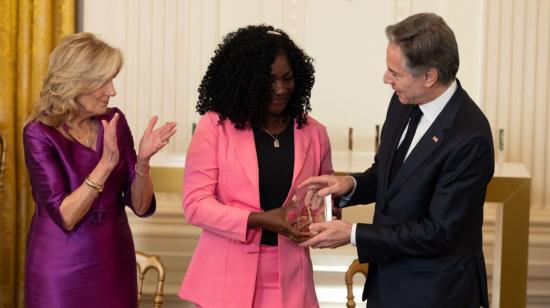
430	111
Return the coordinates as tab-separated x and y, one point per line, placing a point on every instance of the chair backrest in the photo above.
145	262
3	150
354	268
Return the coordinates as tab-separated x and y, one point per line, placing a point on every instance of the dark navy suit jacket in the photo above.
425	243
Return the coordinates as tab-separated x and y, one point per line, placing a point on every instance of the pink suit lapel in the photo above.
302	140
246	151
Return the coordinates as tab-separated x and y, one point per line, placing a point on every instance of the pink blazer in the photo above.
221	188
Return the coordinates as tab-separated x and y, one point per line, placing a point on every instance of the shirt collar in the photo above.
433	108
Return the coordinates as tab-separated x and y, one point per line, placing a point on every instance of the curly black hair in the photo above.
237	83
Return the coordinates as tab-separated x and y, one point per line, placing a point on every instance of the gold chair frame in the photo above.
144	263
354	268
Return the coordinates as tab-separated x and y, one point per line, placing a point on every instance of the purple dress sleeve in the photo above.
46	174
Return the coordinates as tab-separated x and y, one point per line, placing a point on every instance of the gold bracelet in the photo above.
93	184
142	174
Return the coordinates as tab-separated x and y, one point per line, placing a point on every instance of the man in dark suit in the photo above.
428	180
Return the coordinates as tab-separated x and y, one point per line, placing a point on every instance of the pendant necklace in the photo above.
276	143
87	137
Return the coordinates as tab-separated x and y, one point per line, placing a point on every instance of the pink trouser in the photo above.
268	291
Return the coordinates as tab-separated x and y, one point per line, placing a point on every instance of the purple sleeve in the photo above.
48	179
128	153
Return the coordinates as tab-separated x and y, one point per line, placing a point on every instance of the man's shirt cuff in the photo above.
353	228
345	199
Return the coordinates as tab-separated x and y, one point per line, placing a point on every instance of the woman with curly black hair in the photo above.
253	145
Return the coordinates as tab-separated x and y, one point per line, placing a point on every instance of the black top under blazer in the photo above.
425	243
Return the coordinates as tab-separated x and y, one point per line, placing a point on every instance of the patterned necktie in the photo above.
403	148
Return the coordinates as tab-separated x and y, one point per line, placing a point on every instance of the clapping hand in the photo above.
155	139
110	154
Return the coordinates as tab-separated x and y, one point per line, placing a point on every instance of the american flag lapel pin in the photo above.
435	139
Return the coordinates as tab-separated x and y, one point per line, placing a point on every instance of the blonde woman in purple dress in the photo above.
84	170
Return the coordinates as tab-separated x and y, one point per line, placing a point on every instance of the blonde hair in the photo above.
80	64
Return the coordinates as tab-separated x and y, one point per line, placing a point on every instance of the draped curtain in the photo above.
29	30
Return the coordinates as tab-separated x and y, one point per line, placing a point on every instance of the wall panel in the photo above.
168	45
516	87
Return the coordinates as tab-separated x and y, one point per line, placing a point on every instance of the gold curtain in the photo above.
29	30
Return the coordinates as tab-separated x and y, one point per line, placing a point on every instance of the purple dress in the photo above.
93	265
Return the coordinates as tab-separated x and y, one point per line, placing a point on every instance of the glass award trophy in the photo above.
309	207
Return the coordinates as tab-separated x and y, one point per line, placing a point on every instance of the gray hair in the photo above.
426	42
